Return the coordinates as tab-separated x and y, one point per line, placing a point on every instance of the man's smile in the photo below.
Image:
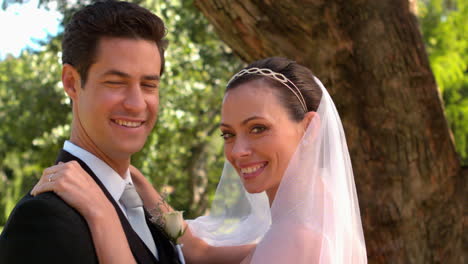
126	123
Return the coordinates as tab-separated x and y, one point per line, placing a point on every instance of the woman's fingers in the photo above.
52	169
44	187
74	185
47	177
51	182
68	172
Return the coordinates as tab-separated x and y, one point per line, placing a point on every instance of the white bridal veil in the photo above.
314	217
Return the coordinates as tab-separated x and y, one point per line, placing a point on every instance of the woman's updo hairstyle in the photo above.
300	76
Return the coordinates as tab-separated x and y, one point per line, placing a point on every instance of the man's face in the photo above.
117	108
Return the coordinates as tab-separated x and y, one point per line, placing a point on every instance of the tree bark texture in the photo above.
371	57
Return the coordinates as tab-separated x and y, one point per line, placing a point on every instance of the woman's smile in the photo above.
251	171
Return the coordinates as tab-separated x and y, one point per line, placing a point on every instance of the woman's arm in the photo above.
151	198
109	238
198	251
79	190
195	249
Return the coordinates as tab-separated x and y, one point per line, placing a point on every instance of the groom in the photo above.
113	58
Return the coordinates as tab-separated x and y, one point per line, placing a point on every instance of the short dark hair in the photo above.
108	19
300	75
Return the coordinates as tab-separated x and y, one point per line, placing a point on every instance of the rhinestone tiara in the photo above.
276	76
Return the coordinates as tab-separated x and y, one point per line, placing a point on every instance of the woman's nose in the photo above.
241	148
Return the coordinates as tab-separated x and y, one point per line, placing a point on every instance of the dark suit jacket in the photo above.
44	229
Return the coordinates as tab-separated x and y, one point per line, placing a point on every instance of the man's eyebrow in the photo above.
151	77
154	77
116	72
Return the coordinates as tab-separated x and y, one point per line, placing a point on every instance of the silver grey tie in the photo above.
136	216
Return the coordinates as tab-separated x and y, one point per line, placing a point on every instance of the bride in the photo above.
287	192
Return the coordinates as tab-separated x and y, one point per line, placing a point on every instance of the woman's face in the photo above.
260	138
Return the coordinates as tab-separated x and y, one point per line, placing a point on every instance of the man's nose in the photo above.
134	99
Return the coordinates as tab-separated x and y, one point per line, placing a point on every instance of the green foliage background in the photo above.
185	152
444	24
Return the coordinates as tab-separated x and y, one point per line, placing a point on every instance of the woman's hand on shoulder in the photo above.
76	187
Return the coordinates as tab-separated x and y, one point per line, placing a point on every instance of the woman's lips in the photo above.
252	171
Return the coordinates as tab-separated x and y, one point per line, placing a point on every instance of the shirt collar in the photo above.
111	180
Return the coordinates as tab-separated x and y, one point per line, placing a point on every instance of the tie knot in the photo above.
130	198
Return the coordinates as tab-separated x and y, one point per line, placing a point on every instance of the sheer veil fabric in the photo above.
314	217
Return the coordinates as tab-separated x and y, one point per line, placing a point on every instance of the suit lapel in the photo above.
141	253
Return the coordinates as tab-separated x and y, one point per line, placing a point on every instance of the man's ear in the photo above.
71	81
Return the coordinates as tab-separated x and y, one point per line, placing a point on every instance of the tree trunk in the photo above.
370	56
198	180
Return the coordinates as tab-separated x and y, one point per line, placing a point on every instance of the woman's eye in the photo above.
226	135
258	129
